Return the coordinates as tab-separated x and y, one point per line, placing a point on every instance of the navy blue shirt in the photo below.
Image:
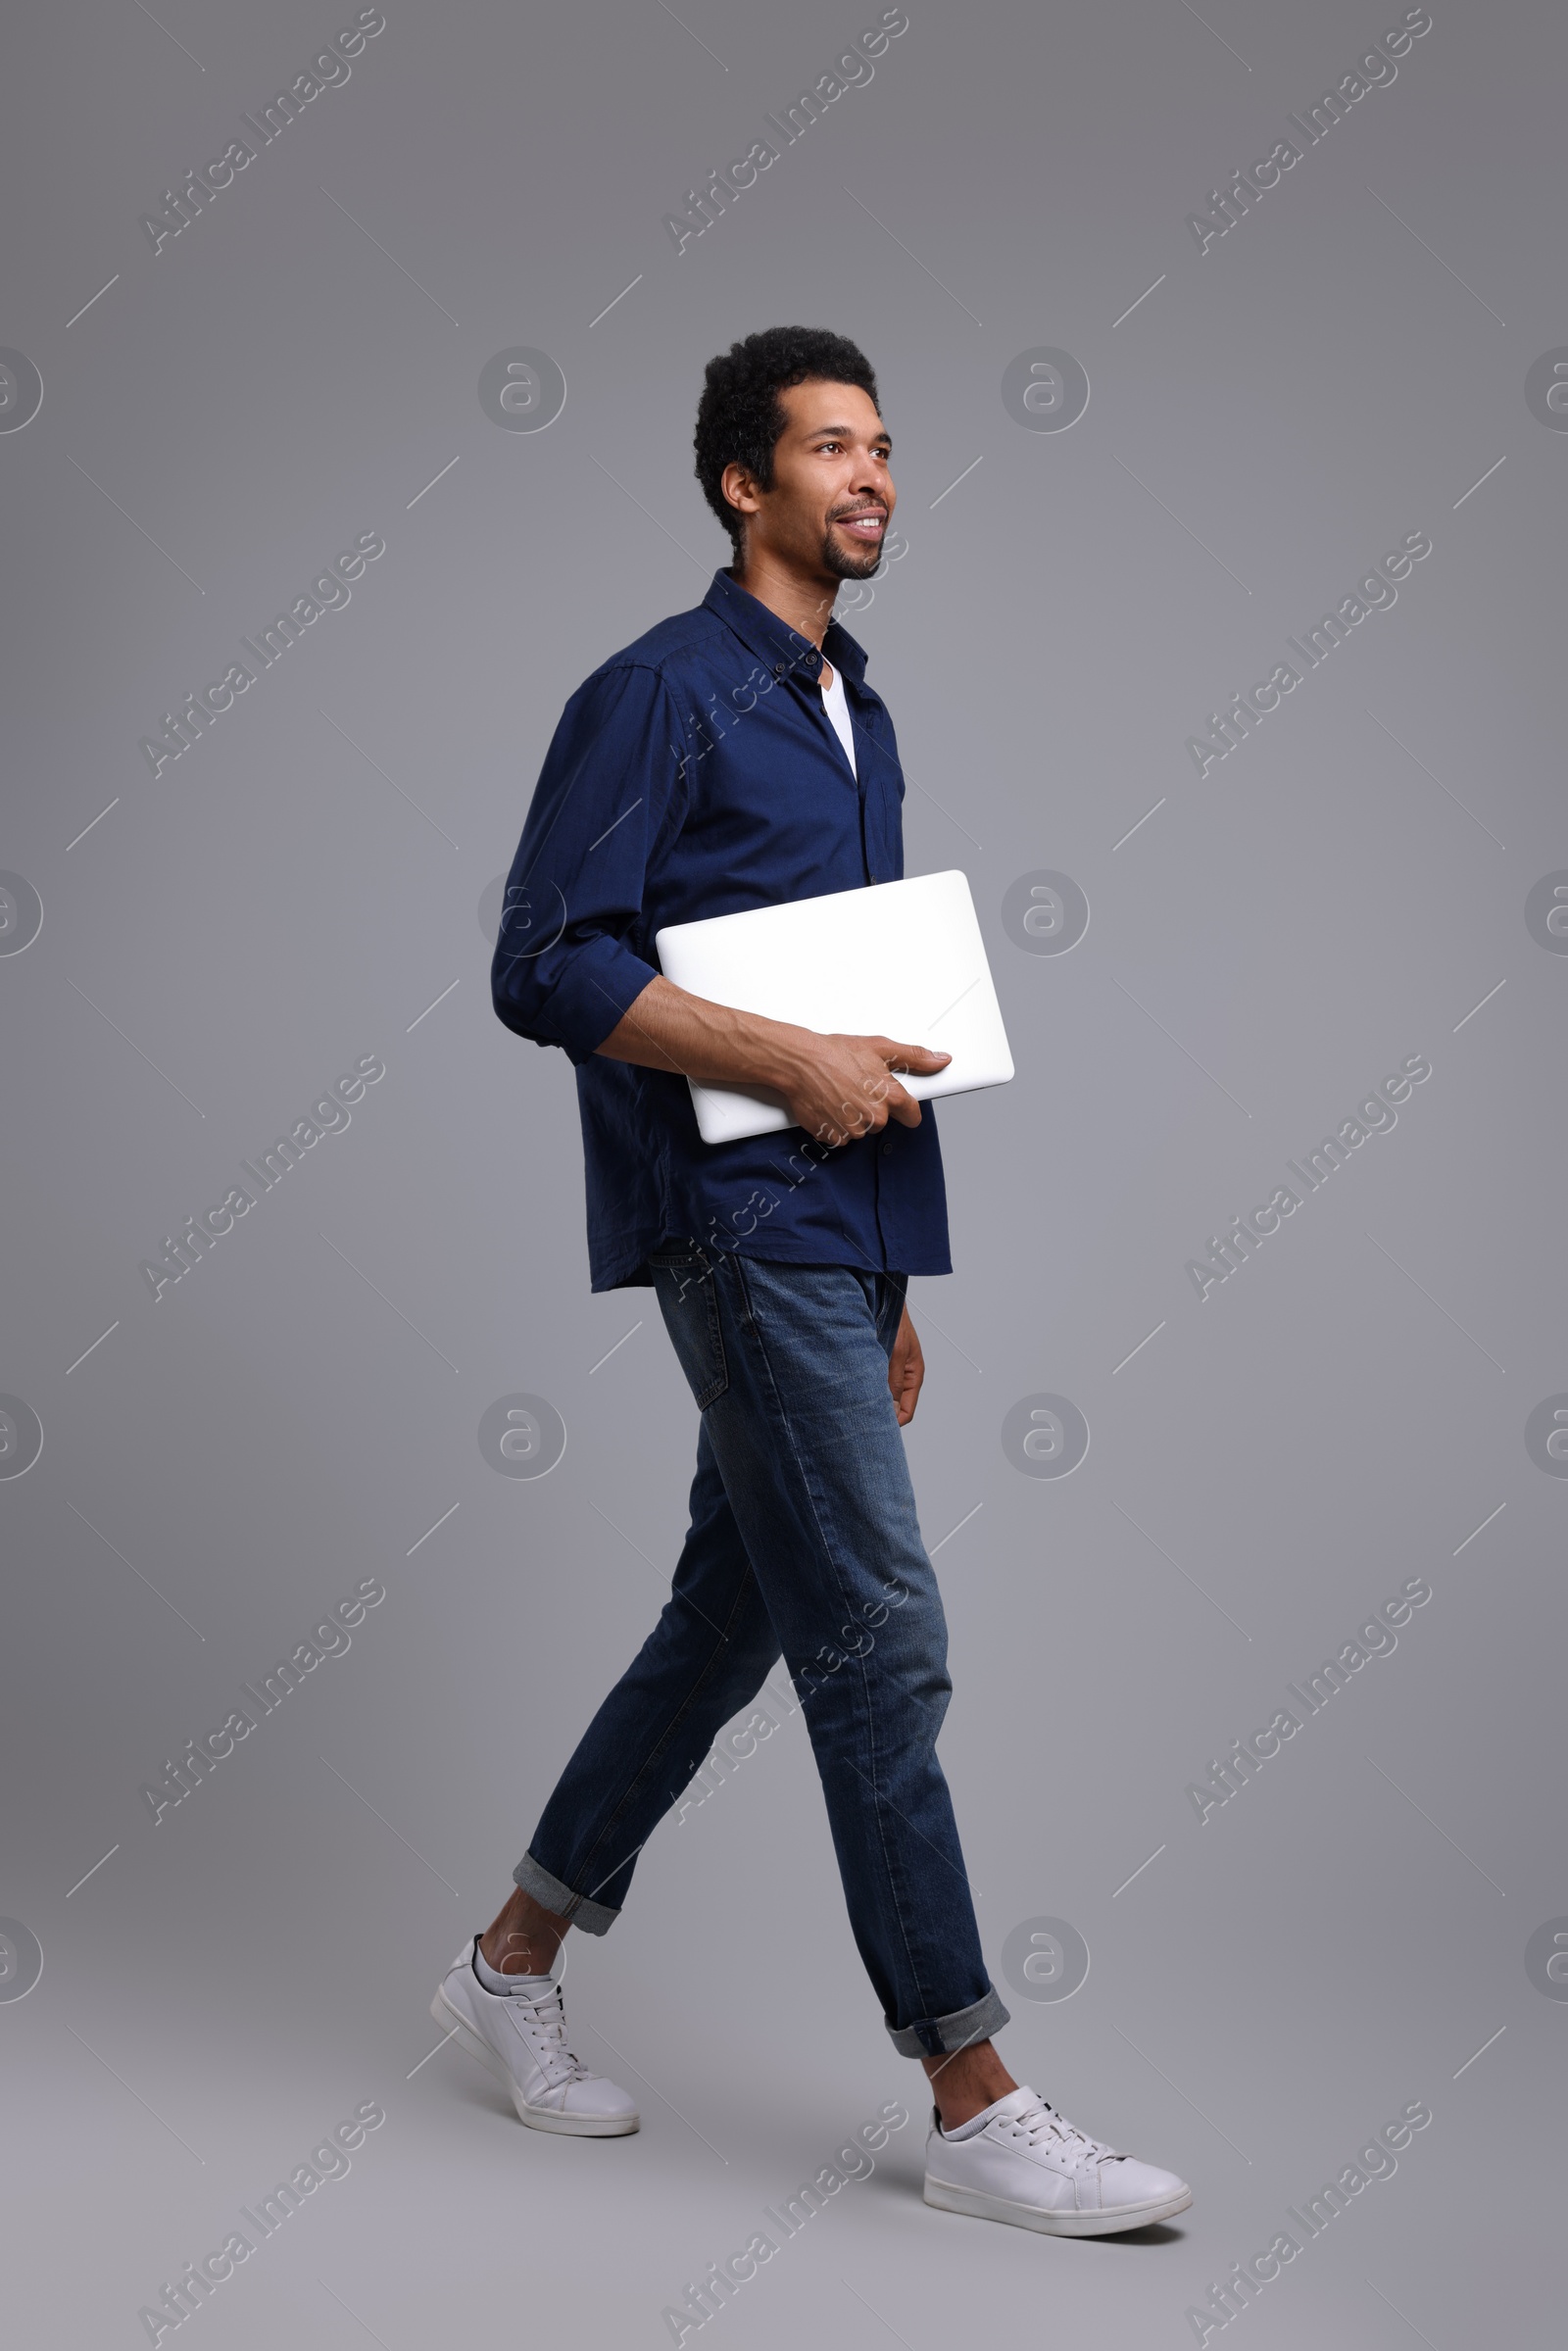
698	773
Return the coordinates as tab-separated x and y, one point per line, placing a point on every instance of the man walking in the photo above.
734	758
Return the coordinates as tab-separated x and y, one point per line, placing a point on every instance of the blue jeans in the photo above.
803	1539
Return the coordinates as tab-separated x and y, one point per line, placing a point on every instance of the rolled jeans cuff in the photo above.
944	2035
594	1918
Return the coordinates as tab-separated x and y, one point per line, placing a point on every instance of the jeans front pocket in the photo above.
686	1282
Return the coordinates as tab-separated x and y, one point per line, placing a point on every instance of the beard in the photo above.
849	562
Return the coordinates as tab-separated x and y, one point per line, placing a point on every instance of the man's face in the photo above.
832	496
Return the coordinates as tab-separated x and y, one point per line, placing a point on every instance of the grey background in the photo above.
303	1407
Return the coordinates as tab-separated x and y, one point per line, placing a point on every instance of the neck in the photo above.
803	601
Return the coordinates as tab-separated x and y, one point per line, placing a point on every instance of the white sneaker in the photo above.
1031	2167
522	2038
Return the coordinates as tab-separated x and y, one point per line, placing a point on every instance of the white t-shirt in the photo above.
836	704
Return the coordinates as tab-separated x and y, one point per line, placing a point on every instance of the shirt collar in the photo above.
774	642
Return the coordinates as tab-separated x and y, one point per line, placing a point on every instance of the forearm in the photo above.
668	1029
836	1087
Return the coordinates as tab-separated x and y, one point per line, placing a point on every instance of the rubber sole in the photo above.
537	2118
981	2207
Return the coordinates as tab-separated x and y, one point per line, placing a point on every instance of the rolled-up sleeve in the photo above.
564	971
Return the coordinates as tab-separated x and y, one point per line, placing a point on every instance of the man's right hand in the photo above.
838	1087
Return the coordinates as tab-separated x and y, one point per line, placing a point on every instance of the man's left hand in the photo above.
905	1370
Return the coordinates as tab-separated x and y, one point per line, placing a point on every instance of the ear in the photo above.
739	489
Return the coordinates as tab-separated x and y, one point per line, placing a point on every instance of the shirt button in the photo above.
778	668
886	1148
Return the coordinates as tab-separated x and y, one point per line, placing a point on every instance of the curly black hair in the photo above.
740	416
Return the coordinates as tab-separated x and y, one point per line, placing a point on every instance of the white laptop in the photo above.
901	959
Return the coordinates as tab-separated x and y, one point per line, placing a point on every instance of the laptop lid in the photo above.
901	959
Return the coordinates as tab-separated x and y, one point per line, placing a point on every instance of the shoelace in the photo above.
546	2026
1042	2123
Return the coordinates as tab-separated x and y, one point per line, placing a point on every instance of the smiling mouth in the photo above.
865	525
